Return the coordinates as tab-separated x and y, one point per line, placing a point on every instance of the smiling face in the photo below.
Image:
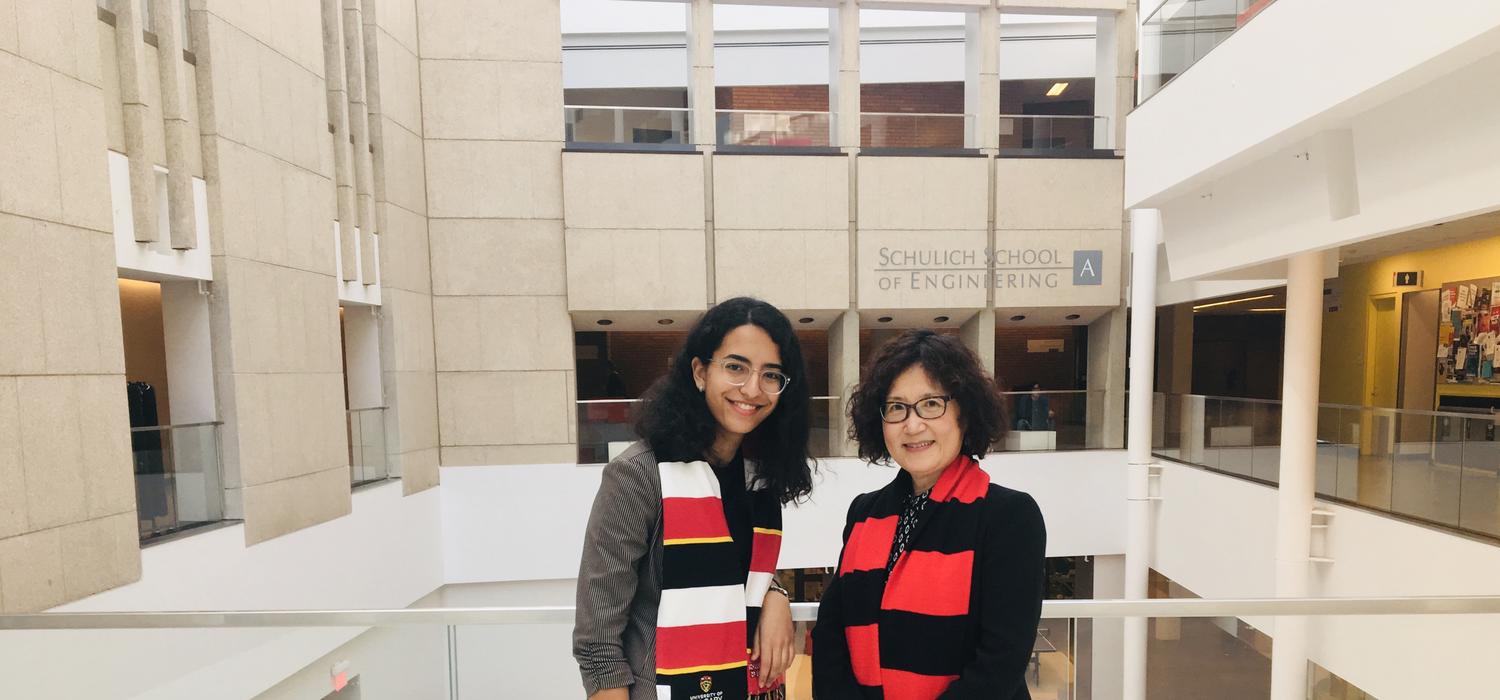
738	409
923	447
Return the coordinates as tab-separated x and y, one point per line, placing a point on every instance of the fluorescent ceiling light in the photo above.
1278	309
1057	89
1232	301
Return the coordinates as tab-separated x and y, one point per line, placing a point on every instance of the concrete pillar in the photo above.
130	57
338	115
1295	494
700	55
843	75
1126	44
978	334
843	374
982	78
182	228
359	128
1144	226
1114	75
1105	414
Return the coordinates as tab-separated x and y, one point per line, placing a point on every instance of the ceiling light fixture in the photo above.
805	319
884	319
1072	317
1057	89
939	319
604	322
1278	309
664	321
1018	317
1231	301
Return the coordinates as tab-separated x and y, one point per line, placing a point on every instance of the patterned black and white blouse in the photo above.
905	525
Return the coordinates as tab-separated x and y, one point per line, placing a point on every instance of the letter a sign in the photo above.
1087	267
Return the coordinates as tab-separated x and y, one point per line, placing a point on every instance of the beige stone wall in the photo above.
267	158
67	500
406	338
491	106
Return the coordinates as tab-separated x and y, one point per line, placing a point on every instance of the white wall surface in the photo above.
385	554
1079	493
1216	536
1297	69
157	260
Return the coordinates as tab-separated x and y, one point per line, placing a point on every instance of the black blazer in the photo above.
990	648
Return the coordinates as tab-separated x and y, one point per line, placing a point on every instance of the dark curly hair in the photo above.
674	417
949	363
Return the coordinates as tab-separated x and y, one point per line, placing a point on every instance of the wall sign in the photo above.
1409	279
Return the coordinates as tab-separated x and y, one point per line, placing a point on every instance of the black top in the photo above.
737	507
911	510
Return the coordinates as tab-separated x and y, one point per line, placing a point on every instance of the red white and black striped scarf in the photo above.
705	625
923	601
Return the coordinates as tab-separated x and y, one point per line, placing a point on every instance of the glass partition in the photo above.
178	484
913	130
626	125
368	461
1181	32
739	127
1042	133
1437	467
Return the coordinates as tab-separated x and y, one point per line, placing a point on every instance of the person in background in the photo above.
939	586
676	589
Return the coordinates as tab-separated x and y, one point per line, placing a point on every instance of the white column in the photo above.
189	352
982	78
1145	225
700	87
1294	497
843	75
1104	80
1109	578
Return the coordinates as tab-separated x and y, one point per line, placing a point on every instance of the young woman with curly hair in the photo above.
676	596
939	585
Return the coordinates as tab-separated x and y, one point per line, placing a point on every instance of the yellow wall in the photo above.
1344	331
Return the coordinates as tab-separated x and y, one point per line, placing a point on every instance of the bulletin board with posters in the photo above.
1469	332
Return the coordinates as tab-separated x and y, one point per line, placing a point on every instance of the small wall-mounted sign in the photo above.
1409	279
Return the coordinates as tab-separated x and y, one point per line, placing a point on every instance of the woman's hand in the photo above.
774	647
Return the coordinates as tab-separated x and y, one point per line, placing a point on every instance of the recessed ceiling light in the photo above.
1057	89
939	319
664	321
805	319
604	322
1072	317
1018	317
1278	309
884	319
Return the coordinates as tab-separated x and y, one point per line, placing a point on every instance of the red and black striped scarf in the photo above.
705	625
920	607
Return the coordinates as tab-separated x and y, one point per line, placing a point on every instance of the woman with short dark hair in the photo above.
676	589
939	585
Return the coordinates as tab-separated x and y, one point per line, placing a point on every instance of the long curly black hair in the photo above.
674	417
949	363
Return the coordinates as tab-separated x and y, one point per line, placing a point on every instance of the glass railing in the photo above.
1196	648
641	126
1438	467
1053	420
606	427
1045	133
178	484
1181	32
738	127
913	130
368	460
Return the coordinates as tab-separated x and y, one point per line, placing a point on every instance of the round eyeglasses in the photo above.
738	373
929	408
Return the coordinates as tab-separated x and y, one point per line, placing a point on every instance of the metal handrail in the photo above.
154	428
629	108
915	114
1056	116
1355	407
802	612
770	111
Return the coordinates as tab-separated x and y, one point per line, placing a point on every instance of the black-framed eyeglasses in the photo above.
738	373
929	408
